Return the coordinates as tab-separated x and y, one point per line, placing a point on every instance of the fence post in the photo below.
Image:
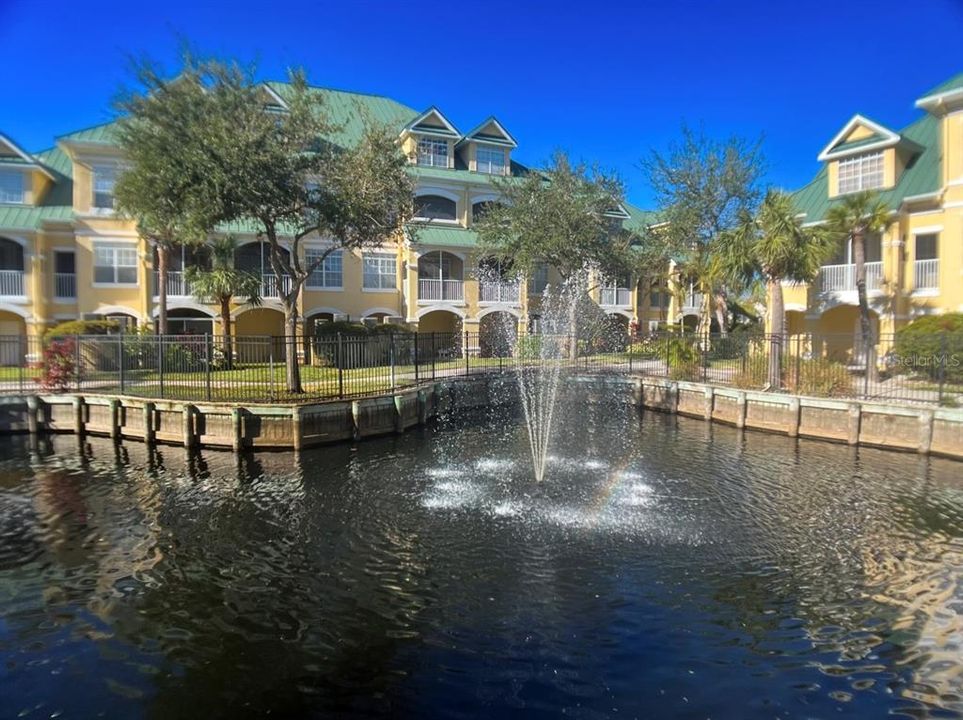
465	350
271	368
668	367
391	358
23	359
340	366
705	358
159	339
77	359
630	353
434	354
415	349
120	362
942	374
208	352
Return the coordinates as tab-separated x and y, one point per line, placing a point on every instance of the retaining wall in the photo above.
925	430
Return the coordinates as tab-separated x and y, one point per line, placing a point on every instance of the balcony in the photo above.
615	297
498	292
177	285
274	287
11	283
842	278
65	286
693	301
441	290
926	274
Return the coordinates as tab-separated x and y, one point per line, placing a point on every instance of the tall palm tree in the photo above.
774	246
221	284
852	219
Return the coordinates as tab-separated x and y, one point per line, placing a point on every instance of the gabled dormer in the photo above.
429	140
23	179
945	103
488	148
866	155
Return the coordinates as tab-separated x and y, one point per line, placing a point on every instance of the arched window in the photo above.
435	207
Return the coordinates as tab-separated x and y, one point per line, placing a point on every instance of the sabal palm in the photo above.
222	283
852	219
774	246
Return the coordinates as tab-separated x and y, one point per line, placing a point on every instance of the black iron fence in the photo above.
923	369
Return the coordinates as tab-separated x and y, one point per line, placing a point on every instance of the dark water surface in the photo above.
664	569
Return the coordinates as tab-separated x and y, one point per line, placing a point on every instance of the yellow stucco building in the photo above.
65	254
915	266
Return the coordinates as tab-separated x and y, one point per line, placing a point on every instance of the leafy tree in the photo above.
852	219
561	216
221	284
774	246
164	184
703	187
288	179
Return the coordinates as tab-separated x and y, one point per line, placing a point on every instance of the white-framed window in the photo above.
329	273
862	172
105	176
12	187
490	161
379	271
433	152
115	264
435	207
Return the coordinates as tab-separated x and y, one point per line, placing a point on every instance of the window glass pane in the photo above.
104	178
874	248
433	152
328	273
11	186
863	172
435	207
379	272
926	247
126	274
490	160
103	274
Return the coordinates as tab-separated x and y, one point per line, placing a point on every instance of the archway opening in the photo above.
259	336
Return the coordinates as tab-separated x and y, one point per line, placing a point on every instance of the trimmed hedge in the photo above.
83	327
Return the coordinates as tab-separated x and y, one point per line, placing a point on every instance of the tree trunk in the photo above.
162	256
865	330
777	332
292	369
722	309
705	313
226	329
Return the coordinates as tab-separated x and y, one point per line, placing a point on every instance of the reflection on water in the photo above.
663	568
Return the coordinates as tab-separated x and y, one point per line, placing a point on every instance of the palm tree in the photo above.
221	284
853	218
775	247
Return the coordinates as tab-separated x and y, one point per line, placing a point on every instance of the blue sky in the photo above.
606	81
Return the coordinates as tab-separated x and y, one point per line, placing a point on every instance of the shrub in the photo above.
341	326
83	327
681	351
686	371
931	345
754	375
822	378
59	365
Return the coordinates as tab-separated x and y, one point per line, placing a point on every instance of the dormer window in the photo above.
105	176
490	161
11	187
432	152
862	172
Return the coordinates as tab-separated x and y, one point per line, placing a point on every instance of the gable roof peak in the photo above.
881	137
25	158
447	127
506	137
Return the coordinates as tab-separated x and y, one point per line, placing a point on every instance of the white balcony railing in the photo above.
926	274
65	286
177	285
11	283
615	297
440	290
274	287
842	278
504	292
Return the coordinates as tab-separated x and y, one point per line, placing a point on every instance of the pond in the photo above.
664	568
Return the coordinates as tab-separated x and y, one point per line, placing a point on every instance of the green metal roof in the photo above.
444	236
954	83
920	177
96	135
